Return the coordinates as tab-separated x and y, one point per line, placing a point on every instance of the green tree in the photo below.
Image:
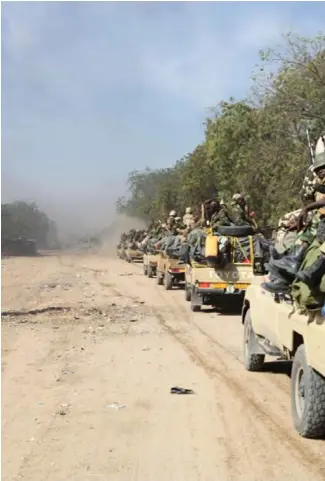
26	220
256	146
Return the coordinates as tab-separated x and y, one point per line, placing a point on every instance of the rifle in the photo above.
310	148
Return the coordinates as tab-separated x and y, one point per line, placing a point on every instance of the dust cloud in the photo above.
111	235
91	214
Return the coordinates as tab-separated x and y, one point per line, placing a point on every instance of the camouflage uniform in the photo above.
238	215
309	195
188	220
219	218
307	192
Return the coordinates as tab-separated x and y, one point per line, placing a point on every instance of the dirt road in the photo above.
99	333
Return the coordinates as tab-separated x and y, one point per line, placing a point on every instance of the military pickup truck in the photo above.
218	286
132	255
150	262
271	329
169	271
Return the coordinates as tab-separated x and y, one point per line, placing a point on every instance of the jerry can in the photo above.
211	246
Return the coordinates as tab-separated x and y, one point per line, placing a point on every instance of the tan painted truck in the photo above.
150	262
132	255
217	287
271	329
221	287
169	271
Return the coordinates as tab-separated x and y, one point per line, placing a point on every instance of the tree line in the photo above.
256	146
25	220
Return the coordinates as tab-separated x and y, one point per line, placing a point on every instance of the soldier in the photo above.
173	224
172	214
220	215
289	264
312	275
188	219
239	211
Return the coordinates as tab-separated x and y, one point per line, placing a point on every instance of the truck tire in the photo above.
187	293
159	279
194	307
150	272
252	362
236	230
307	397
145	270
168	281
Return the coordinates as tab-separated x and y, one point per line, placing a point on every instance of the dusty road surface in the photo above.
88	361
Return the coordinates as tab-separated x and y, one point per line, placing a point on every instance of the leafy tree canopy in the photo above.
256	146
26	220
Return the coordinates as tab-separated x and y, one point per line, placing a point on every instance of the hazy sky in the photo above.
93	90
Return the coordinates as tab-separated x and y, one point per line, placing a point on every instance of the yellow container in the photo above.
211	246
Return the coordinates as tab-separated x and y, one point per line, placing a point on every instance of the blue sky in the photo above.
93	90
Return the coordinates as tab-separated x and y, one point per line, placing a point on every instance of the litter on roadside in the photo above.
181	390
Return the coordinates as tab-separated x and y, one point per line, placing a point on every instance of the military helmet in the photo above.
172	213
188	210
237	197
319	161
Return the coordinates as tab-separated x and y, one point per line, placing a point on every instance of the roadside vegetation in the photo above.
256	146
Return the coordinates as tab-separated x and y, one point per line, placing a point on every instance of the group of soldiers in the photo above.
286	267
134	236
215	213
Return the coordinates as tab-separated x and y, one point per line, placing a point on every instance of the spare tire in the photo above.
236	230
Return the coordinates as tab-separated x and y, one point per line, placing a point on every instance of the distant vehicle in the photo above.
18	247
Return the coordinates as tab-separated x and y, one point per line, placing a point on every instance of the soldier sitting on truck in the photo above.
312	275
285	269
174	226
172	215
220	215
188	218
239	211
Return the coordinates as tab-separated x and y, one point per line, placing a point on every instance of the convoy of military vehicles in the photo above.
272	326
228	269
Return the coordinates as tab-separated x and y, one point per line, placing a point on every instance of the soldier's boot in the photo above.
277	286
290	263
313	274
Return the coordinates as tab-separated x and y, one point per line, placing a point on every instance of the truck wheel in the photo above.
159	279
168	281
252	362
145	270
187	293
150	272
194	307
307	397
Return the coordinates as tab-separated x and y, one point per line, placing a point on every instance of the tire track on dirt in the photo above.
304	456
221	364
297	446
